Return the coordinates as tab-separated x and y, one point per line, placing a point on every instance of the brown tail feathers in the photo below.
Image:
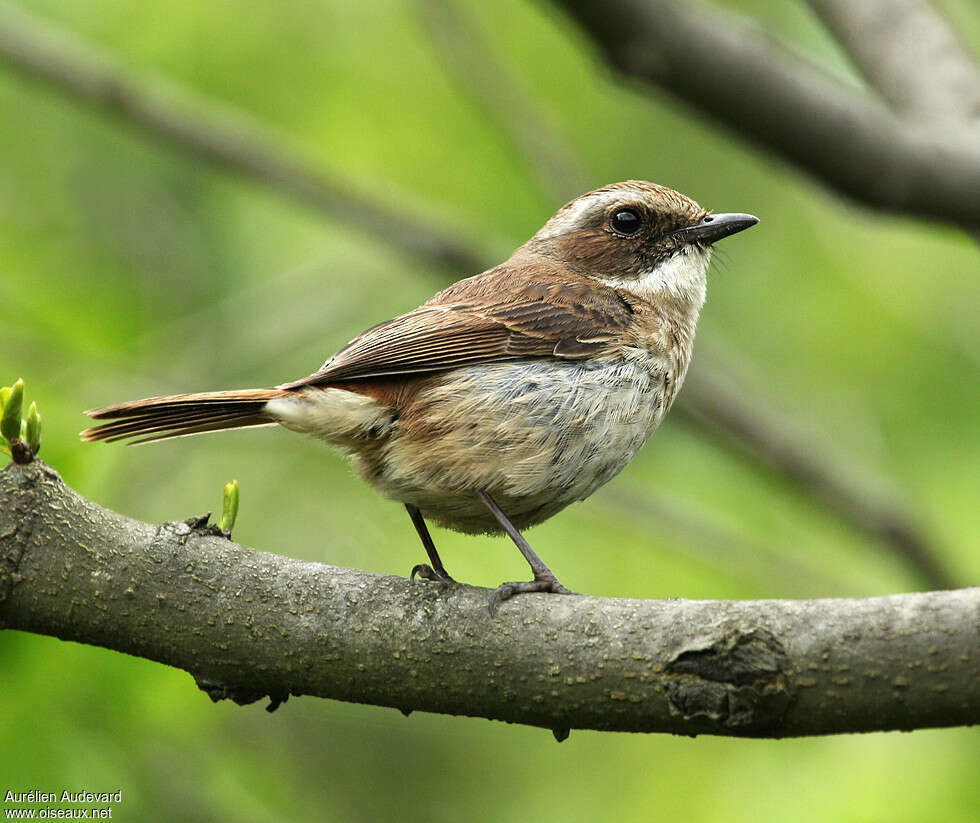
157	418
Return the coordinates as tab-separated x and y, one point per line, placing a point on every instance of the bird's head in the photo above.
638	237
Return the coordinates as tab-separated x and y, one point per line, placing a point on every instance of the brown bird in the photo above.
510	394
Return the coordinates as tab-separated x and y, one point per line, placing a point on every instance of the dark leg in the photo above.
436	571
544	578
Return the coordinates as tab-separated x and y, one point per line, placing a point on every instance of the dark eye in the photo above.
626	221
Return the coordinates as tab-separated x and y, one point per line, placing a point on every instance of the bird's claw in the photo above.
505	591
426	572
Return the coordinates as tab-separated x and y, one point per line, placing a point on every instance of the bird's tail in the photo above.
157	418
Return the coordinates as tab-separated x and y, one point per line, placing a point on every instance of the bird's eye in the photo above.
626	222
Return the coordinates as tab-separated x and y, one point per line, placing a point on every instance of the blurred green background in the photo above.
130	269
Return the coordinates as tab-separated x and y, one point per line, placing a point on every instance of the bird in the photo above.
508	395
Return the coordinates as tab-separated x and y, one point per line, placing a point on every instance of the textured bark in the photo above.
247	624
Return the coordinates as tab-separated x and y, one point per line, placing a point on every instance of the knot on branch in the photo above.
201	525
242	695
180	531
737	681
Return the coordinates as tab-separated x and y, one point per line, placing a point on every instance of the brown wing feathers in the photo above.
541	320
157	418
457	327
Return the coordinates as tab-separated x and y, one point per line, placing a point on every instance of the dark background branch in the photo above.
739	76
247	624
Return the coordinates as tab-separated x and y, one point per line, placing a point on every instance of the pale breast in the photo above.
537	435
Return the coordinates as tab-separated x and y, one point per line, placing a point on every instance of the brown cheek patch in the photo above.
597	252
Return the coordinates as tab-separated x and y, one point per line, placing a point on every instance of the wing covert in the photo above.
566	320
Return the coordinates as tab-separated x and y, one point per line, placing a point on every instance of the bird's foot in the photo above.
426	572
542	583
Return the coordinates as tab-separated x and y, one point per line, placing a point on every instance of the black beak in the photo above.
716	226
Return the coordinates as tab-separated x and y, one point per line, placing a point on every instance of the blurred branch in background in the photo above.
214	132
241	144
910	55
719	409
702	536
744	78
247	624
491	85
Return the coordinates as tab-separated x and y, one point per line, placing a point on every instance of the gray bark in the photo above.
247	624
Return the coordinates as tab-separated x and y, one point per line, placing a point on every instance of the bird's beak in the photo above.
716	226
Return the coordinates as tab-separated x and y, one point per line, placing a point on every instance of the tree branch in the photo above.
242	145
738	75
912	57
230	139
247	624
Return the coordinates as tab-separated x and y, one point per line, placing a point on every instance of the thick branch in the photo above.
246	147
247	624
739	76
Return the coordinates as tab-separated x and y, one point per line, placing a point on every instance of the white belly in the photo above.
537	435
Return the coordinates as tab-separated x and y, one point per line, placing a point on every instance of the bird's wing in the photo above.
564	320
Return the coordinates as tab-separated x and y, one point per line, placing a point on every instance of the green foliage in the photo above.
32	428
15	427
229	507
13	400
130	269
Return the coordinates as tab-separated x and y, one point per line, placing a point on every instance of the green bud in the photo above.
229	507
4	394
10	422
33	434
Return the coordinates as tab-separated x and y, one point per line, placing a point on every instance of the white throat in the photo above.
682	277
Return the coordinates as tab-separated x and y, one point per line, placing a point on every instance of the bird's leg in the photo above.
436	571
544	578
